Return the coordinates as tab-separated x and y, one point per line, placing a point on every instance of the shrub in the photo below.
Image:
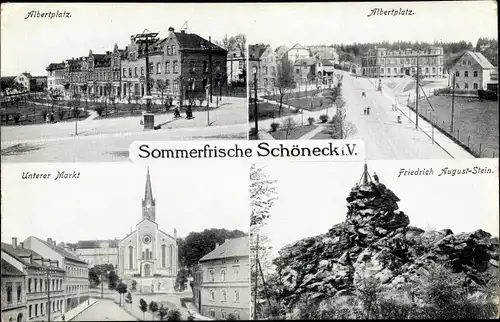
99	110
311	120
61	113
253	132
174	315
323	118
44	114
274	126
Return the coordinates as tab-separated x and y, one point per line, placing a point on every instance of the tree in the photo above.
288	125
85	95
129	299
54	94
174	315
107	94
228	43
162	312
121	289
153	307
181	280
284	79
112	280
339	127
144	307
198	244
161	85
113	101
75	101
241	43
231	317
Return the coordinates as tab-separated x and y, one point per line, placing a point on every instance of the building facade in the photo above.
304	71
25	80
221	281
44	279
148	251
55	76
13	293
98	252
381	63
298	52
76	278
324	52
236	67
262	60
473	71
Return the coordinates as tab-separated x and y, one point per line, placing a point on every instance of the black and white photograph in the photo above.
365	70
89	79
376	240
139	243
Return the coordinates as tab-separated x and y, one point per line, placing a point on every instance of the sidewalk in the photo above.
194	312
71	314
444	142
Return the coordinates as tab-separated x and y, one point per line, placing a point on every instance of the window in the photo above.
212	313
427	70
205	66
433	70
163	254
53	284
29	284
169	51
212	295
237	296
9	293
130	72
151	67
212	275
176	67
466	85
41	308
265	81
192	67
466	74
457	73
395	70
240	64
131	256
224	296
36	284
469	62
30	311
223	314
475	86
475	73
135	72
167	67
223	275
36	309
19	293
296	70
173	50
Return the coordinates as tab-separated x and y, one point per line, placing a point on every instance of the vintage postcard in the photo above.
365	70
137	243
90	79
377	240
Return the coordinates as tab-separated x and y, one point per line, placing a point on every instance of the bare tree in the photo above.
288	125
161	85
241	43
284	79
54	95
340	128
107	94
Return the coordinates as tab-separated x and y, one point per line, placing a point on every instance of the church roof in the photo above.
148	193
235	247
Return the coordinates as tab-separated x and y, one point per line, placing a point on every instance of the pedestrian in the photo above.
52	117
375	177
364	111
63	318
368	110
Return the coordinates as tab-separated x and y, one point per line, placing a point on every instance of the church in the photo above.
147	251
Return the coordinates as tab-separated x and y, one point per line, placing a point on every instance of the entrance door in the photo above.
147	270
407	72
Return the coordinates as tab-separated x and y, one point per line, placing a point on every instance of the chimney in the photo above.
183	31
14	242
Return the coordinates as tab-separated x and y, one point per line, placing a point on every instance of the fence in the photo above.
462	138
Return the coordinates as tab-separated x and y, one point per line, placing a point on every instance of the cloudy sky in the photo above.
31	44
106	201
313	198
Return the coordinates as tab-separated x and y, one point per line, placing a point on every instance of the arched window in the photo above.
36	309
223	275
9	294
163	255
171	256
130	257
41	308
212	295
224	296
19	292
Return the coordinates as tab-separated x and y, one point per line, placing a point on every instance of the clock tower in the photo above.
148	204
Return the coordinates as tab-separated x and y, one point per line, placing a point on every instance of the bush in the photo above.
61	113
44	114
274	126
323	118
99	110
253	132
174	315
311	120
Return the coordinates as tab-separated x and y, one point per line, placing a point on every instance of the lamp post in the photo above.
255	111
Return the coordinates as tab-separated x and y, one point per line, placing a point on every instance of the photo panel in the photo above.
377	239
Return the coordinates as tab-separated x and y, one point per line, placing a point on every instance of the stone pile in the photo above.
376	240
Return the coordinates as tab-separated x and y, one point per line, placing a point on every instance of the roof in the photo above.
9	270
257	50
88	244
306	61
194	42
298	46
326	62
27	75
19	252
61	251
481	60
54	66
235	247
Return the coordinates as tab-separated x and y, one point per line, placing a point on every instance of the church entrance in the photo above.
147	270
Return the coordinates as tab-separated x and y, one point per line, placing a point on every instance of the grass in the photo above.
267	111
475	121
30	116
318	103
412	85
323	135
295	134
20	149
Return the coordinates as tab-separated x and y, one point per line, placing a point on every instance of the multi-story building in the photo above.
298	52
236	67
221	281
399	63
76	76
262	60
56	73
76	279
324	52
13	293
43	283
26	80
473	71
98	252
325	72
280	51
304	71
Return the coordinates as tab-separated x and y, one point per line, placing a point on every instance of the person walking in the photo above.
368	110
364	111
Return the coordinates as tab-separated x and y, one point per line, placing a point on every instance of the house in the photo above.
56	73
221	281
325	52
304	71
25	80
325	72
76	279
298	52
13	293
98	252
262	61
43	278
236	67
472	71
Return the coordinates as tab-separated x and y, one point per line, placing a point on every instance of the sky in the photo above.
31	44
106	201
311	199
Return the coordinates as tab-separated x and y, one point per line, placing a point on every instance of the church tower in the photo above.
148	204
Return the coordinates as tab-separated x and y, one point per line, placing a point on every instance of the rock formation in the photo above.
376	240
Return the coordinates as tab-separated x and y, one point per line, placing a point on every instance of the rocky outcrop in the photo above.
376	240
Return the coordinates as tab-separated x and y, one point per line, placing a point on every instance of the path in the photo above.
104	310
71	314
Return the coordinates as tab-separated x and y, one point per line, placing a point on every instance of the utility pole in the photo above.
255	110
416	93
256	278
146	38
453	102
48	293
210	65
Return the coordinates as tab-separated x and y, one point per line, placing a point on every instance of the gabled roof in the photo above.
194	42
235	247
19	252
89	244
298	46
55	66
9	270
61	251
257	50
27	75
481	60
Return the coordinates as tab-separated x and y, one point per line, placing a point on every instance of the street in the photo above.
104	310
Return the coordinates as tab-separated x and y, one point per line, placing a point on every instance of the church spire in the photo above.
148	204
